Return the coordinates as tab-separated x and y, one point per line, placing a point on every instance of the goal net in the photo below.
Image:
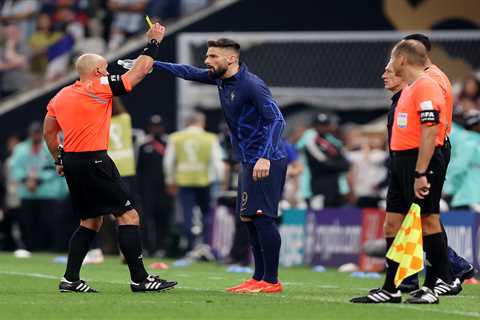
338	70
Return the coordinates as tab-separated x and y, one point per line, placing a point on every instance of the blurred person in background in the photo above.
22	14
40	190
157	203
240	250
469	97
40	41
120	148
291	192
466	173
13	62
128	20
12	202
301	135
193	161
367	171
326	161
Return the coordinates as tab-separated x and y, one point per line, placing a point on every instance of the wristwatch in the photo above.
420	174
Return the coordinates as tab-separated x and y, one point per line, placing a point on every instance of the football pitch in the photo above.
28	290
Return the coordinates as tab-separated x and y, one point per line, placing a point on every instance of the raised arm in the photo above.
186	72
144	63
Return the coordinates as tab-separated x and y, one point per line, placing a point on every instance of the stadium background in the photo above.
159	94
244	16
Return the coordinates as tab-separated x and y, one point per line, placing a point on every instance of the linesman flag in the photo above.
407	247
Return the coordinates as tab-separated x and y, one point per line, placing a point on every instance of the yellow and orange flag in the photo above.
407	247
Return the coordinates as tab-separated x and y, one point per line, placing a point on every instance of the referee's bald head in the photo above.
88	64
413	51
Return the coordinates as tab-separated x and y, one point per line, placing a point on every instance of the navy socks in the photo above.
266	242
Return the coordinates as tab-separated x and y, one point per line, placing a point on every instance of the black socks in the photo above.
131	246
78	249
390	270
438	265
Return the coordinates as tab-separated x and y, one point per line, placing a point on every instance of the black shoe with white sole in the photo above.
379	296
152	284
76	286
423	295
444	289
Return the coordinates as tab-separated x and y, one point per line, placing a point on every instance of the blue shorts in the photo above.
261	196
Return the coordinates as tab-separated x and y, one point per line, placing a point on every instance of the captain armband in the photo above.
429	117
116	85
152	49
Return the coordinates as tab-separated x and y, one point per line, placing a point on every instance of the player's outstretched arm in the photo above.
186	72
143	64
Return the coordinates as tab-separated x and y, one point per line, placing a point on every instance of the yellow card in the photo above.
149	22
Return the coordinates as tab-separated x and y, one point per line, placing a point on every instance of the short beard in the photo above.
216	74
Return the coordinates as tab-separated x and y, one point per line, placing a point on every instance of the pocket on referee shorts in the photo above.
103	168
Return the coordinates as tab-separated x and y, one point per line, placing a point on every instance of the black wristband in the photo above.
420	174
60	154
152	49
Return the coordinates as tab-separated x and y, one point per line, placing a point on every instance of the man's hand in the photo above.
421	187
157	32
59	169
31	184
261	169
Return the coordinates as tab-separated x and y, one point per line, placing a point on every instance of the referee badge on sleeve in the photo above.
402	120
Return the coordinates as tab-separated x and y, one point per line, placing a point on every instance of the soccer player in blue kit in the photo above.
256	126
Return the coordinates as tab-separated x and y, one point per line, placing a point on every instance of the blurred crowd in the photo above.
39	39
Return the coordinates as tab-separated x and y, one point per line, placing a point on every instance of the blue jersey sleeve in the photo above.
292	153
273	122
186	72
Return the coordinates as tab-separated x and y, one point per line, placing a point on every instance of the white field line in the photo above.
471	314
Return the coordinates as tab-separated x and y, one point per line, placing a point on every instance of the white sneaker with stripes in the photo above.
379	296
76	286
151	284
423	295
444	289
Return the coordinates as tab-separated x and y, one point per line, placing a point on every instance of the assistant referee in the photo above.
418	168
82	111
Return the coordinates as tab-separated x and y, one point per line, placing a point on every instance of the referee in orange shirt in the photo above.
418	170
83	111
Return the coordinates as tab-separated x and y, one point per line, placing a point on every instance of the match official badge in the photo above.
243	204
402	120
232	96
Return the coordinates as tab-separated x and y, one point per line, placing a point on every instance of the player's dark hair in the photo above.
416	54
420	38
224	43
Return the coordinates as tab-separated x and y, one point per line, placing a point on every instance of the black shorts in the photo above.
95	185
262	196
400	189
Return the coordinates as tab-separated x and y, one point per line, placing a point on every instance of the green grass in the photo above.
28	290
